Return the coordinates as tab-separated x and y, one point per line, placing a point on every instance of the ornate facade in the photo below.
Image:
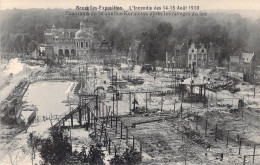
74	43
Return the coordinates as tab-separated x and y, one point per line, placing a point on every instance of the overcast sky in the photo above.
204	4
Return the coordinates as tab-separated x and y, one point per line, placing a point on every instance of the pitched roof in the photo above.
247	57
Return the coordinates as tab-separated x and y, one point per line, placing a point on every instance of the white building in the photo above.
192	56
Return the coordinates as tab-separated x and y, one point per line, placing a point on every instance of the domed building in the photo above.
83	43
83	40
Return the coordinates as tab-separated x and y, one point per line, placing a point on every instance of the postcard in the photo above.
128	82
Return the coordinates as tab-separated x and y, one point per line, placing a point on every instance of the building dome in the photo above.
81	34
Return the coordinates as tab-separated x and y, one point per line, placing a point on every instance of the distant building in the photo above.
247	61
197	56
234	63
170	60
202	56
181	55
189	56
136	52
192	56
213	54
257	73
241	63
74	43
49	52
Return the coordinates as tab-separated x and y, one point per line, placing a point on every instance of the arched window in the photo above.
77	44
86	44
81	45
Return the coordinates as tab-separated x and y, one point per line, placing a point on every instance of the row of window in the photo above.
82	45
194	57
202	51
62	39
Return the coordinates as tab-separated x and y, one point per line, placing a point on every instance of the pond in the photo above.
48	97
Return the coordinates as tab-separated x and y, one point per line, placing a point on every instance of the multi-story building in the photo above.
234	63
180	56
192	56
136	52
213	54
189	56
197	56
247	62
202	56
83	42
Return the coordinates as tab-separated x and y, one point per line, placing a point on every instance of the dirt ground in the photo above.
168	138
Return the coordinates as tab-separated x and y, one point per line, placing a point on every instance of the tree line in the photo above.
22	30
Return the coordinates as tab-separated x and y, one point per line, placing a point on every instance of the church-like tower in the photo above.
83	39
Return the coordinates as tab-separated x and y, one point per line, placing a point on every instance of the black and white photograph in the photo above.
129	82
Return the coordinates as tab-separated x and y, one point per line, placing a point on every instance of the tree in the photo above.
56	149
155	41
129	157
117	160
96	155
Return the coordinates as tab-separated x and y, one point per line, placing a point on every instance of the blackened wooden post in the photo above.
216	131
101	131
107	116
111	120
91	120
87	126
162	102
204	90
103	110
85	113
115	150
240	142
181	110
80	117
244	162
105	138
116	124
117	97
112	76
206	127
126	137
133	143
174	105
130	102
121	130
113	104
71	118
88	115
146	108
196	121
95	125
254	154
227	139
141	149
134	102
109	146
96	106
